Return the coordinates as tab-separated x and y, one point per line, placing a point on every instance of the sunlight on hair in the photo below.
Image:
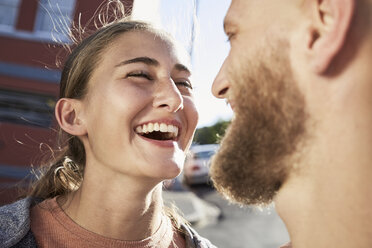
59	20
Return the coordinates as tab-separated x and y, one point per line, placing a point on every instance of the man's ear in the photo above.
328	36
67	112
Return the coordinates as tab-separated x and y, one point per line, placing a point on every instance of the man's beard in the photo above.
256	153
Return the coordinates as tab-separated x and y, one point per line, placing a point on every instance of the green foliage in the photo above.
212	134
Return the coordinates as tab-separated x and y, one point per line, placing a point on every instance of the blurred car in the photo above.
196	170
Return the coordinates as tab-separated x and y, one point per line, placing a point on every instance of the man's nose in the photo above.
221	85
167	96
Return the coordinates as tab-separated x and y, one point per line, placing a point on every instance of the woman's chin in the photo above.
168	171
166	165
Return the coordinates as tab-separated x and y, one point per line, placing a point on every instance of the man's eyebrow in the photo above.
181	67
145	60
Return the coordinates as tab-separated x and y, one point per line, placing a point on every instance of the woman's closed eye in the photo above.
139	74
183	83
184	86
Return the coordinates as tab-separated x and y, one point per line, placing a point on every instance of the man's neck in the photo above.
328	204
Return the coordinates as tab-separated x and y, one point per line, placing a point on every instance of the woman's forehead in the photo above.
146	43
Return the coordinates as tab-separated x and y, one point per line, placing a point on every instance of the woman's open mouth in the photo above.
158	131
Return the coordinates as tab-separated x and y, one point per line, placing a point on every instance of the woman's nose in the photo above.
221	85
167	96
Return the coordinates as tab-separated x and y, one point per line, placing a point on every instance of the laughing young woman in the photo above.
127	115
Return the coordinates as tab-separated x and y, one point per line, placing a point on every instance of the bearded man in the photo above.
299	79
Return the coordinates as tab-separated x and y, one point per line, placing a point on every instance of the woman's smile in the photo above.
161	130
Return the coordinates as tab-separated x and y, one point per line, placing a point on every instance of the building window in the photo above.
8	13
54	18
26	108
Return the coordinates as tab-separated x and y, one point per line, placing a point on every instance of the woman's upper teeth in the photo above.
162	127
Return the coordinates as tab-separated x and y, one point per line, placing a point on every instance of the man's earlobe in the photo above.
328	36
67	114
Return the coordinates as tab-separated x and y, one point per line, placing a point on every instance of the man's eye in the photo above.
229	36
139	74
184	84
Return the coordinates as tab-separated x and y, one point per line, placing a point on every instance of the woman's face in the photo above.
139	111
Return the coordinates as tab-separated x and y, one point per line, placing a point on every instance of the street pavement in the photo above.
227	225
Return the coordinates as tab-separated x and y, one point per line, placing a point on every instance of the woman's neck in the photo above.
116	210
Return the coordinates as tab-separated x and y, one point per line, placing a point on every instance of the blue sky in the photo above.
209	50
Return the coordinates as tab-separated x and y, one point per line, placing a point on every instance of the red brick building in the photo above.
29	80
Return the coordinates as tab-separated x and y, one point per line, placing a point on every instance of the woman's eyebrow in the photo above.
181	67
145	60
152	62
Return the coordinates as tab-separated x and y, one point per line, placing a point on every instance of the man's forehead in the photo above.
255	12
238	13
231	15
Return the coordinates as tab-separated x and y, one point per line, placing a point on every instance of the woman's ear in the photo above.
67	112
332	21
